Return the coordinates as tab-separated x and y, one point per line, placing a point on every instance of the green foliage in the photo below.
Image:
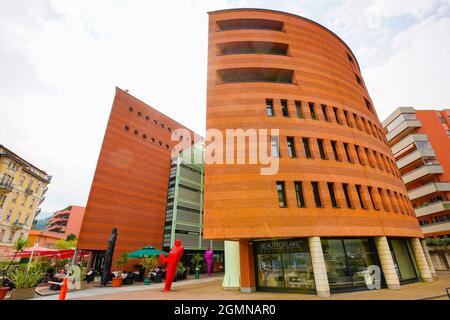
71	237
19	245
438	242
197	260
24	279
149	263
180	268
123	260
66	245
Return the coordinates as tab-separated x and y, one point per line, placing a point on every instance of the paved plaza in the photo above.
211	289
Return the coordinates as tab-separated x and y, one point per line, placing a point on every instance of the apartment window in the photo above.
299	194
336	116
269	108
360	197
275	147
442	120
321	149
315	187
2	201
284	108
335	152
8	216
281	195
325	114
370	189
291	147
347	119
347	195
298	107
312	110
332	195
347	152
307	148
368	104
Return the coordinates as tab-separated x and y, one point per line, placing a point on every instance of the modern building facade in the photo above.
45	239
130	185
67	221
22	191
337	204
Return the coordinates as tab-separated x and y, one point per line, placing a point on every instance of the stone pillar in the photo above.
231	280
421	261
319	268
427	257
387	263
247	266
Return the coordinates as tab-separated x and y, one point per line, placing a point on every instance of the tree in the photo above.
19	245
71	237
65	245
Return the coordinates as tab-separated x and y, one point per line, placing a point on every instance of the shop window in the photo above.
269	108
347	195
321	149
312	111
291	147
307	148
335	152
298	108
334	203
284	108
360	196
316	192
299	193
281	195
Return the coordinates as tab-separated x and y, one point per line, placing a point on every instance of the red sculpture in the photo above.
172	261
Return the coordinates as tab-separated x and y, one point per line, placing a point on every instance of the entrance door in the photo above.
402	260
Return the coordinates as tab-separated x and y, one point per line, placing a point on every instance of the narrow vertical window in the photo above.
321	149
307	148
325	114
336	115
298	108
275	147
369	158
299	193
370	189
360	197
355	118
269	108
347	195
383	199
291	147
312	110
332	195
358	80
359	156
347	119
284	108
347	152
315	187
281	195
335	152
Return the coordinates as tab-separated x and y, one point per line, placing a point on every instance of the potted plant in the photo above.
19	246
181	272
117	281
149	264
197	260
26	280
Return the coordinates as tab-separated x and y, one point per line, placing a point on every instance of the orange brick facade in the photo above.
129	189
240	204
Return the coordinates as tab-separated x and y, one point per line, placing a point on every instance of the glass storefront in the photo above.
284	265
347	261
402	256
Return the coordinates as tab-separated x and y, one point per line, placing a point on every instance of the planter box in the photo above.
116	282
22	294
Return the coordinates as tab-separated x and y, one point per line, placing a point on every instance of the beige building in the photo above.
22	190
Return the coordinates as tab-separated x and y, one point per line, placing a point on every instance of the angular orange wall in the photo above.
242	204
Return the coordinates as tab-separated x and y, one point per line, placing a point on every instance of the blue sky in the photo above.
60	61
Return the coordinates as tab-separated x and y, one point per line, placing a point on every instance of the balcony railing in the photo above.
428	189
436	227
6	188
432	208
414	156
402	130
421	172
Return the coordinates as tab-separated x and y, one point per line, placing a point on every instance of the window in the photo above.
315	187
281	195
299	193
336	115
350	58
347	152
442	120
360	197
2	201
250	24
269	108
332	195
325	114
335	152
307	149
347	119
369	158
275	147
355	117
358	149
321	149
370	189
244	75
347	195
368	104
252	47
383	199
312	110
284	108
298	107
291	147
358	79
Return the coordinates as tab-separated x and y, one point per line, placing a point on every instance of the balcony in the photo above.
436	227
402	130
414	156
28	191
432	208
421	172
45	190
409	140
429	189
6	188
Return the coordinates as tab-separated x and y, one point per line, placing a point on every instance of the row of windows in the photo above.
366	197
364	155
12	235
350	119
439	219
155	122
10	213
144	136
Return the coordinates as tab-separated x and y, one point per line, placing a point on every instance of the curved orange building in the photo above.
337	204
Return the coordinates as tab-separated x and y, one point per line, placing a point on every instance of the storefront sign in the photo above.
289	245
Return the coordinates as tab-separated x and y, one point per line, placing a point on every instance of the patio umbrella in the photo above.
146	252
